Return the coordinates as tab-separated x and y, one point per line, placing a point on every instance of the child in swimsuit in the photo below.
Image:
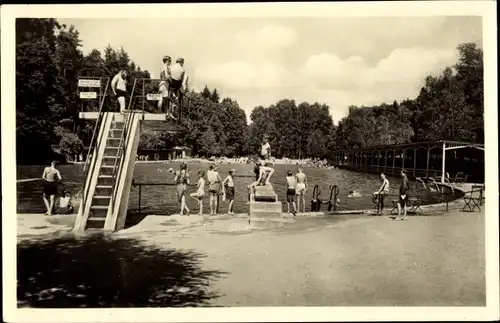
200	191
181	180
228	185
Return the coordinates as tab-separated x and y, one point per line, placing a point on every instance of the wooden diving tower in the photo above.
110	163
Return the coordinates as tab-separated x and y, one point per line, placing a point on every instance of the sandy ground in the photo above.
434	259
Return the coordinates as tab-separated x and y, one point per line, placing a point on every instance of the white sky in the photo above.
337	61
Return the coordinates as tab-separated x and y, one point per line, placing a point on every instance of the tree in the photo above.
316	144
206	93
40	97
69	143
207	143
214	96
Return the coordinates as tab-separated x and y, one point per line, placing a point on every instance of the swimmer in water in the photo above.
301	188
354	194
50	177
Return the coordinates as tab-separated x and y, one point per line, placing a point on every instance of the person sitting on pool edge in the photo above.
265	173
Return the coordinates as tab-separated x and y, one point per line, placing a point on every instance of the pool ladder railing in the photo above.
316	201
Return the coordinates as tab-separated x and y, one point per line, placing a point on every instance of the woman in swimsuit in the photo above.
181	180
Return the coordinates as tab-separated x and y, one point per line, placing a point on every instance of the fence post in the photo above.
140	191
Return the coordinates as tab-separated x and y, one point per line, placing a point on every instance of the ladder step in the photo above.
96	219
99	207
107	166
105	176
104	186
110	157
102	197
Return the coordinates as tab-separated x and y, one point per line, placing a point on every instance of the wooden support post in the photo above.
140	191
414	161
378	161
385	161
427	167
443	168
393	160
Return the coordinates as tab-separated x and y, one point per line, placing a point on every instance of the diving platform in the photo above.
150	121
94	115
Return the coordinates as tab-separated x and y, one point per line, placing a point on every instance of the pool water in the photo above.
163	199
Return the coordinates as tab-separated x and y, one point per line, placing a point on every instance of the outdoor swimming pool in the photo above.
163	200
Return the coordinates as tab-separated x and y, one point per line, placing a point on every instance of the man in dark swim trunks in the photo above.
119	87
404	189
50	177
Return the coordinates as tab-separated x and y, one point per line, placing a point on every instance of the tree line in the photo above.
49	61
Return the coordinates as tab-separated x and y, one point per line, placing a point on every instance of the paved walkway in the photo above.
435	259
341	261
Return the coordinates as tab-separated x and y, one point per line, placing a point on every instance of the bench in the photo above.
473	199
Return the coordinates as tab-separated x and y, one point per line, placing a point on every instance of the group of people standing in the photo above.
173	82
216	188
403	197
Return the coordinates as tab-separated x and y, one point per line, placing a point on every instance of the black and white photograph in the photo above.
250	157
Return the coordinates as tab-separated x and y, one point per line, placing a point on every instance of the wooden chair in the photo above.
414	204
473	199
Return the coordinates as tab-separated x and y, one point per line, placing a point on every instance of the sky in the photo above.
258	61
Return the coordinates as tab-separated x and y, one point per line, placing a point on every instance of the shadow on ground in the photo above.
99	271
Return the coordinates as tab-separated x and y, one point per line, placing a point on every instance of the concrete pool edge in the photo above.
41	224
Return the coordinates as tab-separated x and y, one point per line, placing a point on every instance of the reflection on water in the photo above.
163	200
101	272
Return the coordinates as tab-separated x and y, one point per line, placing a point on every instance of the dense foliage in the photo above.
49	62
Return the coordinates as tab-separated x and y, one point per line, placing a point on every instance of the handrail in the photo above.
181	103
101	104
334	192
122	148
88	160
